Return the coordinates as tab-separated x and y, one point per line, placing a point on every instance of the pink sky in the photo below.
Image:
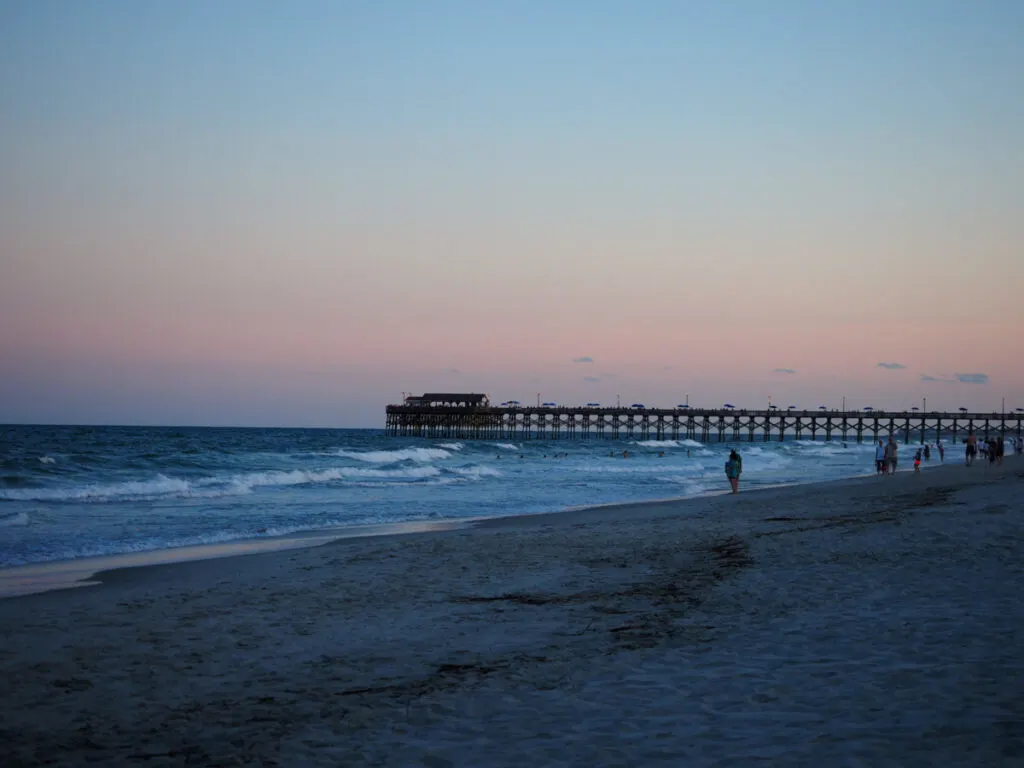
298	238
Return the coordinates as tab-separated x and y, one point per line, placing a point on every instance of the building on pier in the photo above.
471	416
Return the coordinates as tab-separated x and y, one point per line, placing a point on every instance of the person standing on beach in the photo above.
733	468
880	458
891	454
972	448
942	451
917	461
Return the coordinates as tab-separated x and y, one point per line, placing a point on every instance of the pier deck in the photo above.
470	420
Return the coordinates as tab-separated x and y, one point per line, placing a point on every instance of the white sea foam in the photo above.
47	460
21	518
475	473
451	446
405	454
506	446
208	487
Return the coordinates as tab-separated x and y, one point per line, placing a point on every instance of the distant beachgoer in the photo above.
892	455
733	468
972	448
917	461
880	458
942	451
625	454
927	452
1000	450
688	453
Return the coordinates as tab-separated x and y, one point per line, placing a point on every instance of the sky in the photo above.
259	213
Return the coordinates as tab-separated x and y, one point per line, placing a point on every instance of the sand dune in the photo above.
876	621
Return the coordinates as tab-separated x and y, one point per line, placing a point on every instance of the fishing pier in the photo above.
472	417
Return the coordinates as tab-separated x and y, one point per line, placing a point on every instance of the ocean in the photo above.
78	492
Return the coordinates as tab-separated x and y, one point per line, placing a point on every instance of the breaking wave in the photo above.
423	455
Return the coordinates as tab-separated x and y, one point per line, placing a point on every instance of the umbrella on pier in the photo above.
728	405
791	408
963	410
637	405
868	408
684	405
822	408
914	408
549	405
593	405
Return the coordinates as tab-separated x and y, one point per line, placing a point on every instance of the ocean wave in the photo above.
451	446
422	455
668	443
209	487
506	446
21	518
47	460
476	473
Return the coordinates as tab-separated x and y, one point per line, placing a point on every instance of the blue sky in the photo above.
267	213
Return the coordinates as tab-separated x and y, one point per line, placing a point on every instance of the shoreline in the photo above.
54	575
831	623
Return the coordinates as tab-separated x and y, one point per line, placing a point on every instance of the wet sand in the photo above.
875	621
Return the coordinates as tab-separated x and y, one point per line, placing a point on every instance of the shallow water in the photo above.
73	492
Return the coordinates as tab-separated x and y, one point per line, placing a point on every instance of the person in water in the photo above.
733	469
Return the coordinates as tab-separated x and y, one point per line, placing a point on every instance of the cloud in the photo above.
592	379
928	377
972	378
584	359
784	370
666	368
453	370
892	366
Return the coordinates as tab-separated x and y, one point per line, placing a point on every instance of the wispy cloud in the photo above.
666	368
784	370
972	378
892	366
592	379
454	370
929	377
584	359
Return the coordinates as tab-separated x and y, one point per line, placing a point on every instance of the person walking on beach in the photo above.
942	451
733	468
880	458
891	455
917	461
928	452
972	448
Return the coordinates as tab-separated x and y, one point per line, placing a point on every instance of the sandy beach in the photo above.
875	621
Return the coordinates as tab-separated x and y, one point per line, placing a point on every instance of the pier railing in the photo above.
703	425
